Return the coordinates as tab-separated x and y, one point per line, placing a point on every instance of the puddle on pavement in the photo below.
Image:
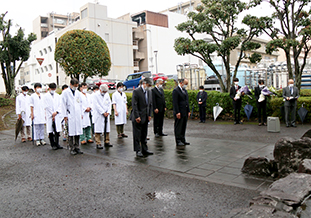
165	196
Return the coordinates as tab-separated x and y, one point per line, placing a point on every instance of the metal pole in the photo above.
156	60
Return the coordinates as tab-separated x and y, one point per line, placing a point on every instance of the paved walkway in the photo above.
216	154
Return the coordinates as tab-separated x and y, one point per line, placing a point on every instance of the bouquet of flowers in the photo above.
264	92
240	91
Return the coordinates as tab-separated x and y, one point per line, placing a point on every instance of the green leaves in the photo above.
82	52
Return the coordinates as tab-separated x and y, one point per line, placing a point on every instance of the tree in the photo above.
217	18
292	35
14	51
83	53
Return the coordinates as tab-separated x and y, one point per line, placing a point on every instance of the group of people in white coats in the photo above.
79	111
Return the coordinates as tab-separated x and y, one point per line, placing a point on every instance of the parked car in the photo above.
159	75
110	85
173	76
132	80
90	83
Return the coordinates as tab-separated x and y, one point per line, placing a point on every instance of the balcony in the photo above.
135	44
136	66
138	35
138	55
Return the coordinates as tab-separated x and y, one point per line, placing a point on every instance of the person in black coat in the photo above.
261	106
141	115
201	99
159	108
181	112
290	95
237	103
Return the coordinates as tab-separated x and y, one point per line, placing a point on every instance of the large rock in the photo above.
259	166
307	134
291	190
305	166
289	153
262	212
267	201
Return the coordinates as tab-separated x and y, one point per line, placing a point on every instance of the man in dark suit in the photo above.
261	106
159	107
181	112
290	94
201	99
237	102
141	115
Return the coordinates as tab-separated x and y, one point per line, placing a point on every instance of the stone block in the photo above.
305	166
259	166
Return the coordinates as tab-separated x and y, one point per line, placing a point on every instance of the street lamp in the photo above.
156	60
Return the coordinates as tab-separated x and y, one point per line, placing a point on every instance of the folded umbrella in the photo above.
302	112
216	111
18	127
248	110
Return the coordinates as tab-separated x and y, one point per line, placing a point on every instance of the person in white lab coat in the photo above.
52	105
73	113
102	111
23	112
64	123
38	114
119	103
86	121
94	89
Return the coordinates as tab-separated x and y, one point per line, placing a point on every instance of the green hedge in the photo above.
274	103
5	102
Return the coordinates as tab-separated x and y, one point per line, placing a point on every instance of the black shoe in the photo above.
180	144
287	125
240	122
163	134
78	151
156	135
108	145
148	138
73	152
139	154
99	146
201	121
235	123
147	152
54	147
59	147
264	124
294	126
186	143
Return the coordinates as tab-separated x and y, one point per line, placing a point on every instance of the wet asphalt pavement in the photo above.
197	181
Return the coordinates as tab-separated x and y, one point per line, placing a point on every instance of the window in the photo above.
50	66
41	70
84	13
129	77
45	51
50	48
107	37
41	53
37	71
46	68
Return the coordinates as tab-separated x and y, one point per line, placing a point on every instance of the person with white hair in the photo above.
102	111
159	108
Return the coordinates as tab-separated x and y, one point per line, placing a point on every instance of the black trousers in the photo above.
54	139
202	110
180	126
158	122
74	142
262	107
290	110
237	110
140	131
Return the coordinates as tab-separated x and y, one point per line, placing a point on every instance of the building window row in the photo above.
45	51
44	69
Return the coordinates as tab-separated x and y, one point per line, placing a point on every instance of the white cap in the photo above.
103	87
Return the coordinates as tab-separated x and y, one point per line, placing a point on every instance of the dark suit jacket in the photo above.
140	107
286	93
180	102
257	93
203	97
233	93
158	99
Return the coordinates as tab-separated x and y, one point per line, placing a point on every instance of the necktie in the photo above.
146	96
291	90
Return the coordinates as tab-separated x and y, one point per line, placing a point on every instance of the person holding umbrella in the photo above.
261	105
201	99
38	114
52	105
102	111
290	95
23	112
73	114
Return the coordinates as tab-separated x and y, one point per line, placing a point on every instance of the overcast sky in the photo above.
23	12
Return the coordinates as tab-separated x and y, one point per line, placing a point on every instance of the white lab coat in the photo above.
23	108
53	104
38	108
72	108
120	100
86	102
101	104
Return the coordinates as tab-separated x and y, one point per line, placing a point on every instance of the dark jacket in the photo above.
233	93
140	107
180	102
257	93
287	93
158	99
202	97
